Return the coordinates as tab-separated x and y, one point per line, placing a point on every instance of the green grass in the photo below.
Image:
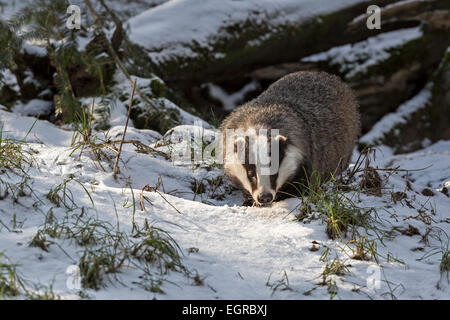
336	203
335	267
336	208
363	249
40	241
14	285
12	154
332	269
10	282
157	248
151	250
41	292
108	251
282	284
15	160
445	262
61	194
95	264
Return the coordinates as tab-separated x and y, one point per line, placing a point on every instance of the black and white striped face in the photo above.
262	164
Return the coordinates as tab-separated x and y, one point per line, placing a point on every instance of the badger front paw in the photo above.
247	200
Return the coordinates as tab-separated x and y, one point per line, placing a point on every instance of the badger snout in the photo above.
265	198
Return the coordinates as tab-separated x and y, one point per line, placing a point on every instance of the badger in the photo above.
304	123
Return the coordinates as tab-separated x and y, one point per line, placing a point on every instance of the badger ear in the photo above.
281	139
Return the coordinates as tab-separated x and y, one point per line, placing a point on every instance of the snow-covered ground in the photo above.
239	252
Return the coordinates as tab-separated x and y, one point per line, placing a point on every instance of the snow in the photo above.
354	59
389	121
231	101
133	7
172	28
35	49
240	249
8	78
34	107
16	126
436	157
9	7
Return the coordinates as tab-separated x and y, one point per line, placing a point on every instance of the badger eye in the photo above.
250	173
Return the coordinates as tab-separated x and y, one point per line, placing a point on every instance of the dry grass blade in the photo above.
142	148
150	189
142	197
116	165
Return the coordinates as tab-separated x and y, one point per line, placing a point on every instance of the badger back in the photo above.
326	112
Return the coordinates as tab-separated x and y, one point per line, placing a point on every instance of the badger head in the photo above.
261	163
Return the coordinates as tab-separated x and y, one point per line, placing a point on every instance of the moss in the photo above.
399	57
158	88
145	118
443	67
123	96
7	96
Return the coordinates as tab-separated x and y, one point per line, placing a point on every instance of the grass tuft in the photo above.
9	281
445	262
40	241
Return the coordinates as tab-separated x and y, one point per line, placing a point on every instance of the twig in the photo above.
89	135
89	130
96	156
116	165
142	198
150	189
139	144
216	185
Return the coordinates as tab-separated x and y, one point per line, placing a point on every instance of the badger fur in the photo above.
317	118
